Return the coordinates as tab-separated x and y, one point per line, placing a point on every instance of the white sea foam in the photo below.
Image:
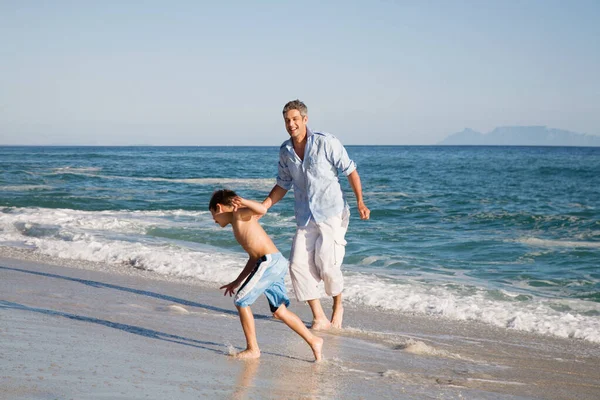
401	342
73	222
25	188
118	238
250	183
536	315
385	194
76	170
165	260
385	261
557	243
419	347
370	260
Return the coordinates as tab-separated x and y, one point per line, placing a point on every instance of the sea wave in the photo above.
19	188
535	315
532	241
79	221
513	311
124	240
250	183
75	170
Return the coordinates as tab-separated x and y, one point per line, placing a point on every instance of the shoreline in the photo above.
85	330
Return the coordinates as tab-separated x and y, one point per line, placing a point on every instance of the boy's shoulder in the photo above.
245	215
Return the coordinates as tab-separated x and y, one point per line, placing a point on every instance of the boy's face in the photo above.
220	216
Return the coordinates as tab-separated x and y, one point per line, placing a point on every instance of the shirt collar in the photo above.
290	143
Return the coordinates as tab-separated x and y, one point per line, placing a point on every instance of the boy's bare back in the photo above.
250	235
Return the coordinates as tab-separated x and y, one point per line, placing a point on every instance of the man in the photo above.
309	162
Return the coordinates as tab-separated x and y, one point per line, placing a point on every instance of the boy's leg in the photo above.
255	285
278	301
292	320
247	320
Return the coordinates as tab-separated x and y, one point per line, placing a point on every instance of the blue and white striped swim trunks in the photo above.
267	277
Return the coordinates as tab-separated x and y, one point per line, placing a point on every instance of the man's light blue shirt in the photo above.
317	190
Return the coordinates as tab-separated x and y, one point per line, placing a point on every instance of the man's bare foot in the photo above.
317	347
337	317
247	354
320	325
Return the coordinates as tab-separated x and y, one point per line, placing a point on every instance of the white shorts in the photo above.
317	253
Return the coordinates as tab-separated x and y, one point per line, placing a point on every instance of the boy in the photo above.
263	273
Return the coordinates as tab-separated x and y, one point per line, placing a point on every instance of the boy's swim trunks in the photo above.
267	277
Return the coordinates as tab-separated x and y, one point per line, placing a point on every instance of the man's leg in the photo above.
247	320
329	255
305	275
338	312
320	321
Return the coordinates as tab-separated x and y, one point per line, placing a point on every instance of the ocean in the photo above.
506	236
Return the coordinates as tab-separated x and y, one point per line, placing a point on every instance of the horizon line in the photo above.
276	146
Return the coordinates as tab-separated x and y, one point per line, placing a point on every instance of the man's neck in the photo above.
299	142
299	145
300	139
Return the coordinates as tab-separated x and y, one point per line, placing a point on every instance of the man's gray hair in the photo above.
296	105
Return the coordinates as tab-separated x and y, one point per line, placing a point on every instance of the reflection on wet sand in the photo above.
245	379
287	377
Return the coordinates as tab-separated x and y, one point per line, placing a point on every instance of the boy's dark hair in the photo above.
223	196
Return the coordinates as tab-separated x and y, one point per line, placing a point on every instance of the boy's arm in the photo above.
248	208
230	287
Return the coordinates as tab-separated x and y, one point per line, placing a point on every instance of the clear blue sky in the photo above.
371	72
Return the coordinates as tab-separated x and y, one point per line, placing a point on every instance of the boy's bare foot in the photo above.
320	325
337	317
247	354
317	347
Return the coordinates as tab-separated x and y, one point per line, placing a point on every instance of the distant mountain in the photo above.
521	136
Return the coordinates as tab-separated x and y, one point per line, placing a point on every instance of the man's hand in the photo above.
230	288
363	211
354	180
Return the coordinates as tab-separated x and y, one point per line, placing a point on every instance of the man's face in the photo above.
295	124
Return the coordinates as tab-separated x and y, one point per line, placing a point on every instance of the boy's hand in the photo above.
229	288
237	202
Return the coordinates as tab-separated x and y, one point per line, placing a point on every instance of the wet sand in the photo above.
78	330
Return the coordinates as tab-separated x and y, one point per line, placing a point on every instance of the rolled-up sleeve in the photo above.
339	157
284	178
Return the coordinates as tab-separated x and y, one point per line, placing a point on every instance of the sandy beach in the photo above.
75	330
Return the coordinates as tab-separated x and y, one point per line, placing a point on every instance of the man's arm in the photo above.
354	180
276	194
